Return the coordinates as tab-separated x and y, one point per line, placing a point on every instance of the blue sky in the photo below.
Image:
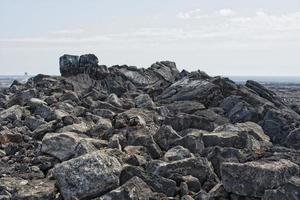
232	37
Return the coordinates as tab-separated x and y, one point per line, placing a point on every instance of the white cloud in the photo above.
221	26
226	12
191	14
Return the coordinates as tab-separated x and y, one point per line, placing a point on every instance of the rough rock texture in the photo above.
123	132
135	188
253	178
88	176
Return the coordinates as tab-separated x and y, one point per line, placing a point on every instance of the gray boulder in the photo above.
180	122
165	137
88	176
192	89
156	182
177	153
144	101
289	191
193	141
198	167
60	145
11	114
253	178
67	63
21	189
188	107
133	189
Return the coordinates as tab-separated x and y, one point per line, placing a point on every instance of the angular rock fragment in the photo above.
184	121
60	145
198	167
193	141
177	153
289	191
87	176
253	178
11	114
156	182
165	137
144	101
133	189
21	189
293	139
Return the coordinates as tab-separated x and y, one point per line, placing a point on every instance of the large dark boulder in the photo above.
68	64
156	182
79	177
192	89
253	178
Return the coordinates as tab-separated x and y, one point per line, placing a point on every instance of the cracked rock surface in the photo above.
123	132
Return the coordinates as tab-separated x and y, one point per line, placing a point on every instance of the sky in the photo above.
232	37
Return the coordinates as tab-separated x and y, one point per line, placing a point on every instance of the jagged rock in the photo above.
45	112
142	137
157	183
133	189
20	189
192	89
253	178
218	192
60	145
11	114
67	64
217	155
193	141
33	122
264	92
144	101
84	147
212	116
139	155
293	139
79	177
197	128
100	128
9	137
275	126
21	97
188	107
69	96
105	113
77	128
240	140
198	167
289	191
114	100
165	137
177	153
128	119
184	121
193	183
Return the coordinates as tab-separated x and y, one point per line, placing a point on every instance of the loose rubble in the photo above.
123	132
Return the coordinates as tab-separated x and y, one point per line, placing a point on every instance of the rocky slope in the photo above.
128	133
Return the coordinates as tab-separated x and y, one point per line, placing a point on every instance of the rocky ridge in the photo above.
123	132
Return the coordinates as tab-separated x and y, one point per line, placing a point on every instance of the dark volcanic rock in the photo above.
253	178
124	132
79	177
156	182
133	189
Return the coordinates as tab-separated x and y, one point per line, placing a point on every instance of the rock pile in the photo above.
123	132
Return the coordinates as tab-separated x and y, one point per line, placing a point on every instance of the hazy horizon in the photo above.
232	38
